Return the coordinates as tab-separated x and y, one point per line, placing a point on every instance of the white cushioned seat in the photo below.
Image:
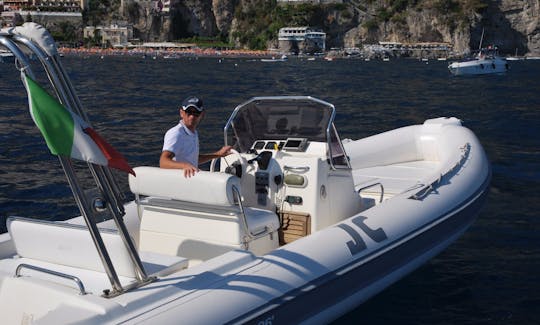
69	248
204	187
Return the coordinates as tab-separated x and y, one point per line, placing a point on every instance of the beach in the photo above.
163	52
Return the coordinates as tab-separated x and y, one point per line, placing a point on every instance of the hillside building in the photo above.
45	5
301	40
114	35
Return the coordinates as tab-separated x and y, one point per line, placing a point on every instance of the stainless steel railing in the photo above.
60	83
78	282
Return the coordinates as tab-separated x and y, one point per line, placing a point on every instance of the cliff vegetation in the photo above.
254	24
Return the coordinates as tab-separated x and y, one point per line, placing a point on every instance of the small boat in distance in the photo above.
294	226
516	57
6	57
283	58
484	61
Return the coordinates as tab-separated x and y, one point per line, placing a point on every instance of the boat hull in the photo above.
479	67
356	282
318	292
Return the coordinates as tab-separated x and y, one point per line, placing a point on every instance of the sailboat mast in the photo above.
481	40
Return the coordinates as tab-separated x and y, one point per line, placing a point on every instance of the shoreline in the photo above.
165	53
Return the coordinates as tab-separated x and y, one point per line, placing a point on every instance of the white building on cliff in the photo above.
301	40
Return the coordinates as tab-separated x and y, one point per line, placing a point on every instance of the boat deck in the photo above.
395	178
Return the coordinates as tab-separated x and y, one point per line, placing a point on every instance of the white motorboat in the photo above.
6	57
486	61
295	226
515	57
282	58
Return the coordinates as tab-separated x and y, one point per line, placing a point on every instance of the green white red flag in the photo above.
66	133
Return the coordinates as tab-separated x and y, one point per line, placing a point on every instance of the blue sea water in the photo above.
491	275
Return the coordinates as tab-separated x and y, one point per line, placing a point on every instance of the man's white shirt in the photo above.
183	143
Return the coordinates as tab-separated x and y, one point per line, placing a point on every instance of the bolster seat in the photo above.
203	188
198	217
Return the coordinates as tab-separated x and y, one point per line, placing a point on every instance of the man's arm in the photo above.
224	151
166	161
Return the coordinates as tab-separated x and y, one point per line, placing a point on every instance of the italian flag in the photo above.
66	133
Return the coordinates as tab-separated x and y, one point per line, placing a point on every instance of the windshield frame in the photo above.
330	132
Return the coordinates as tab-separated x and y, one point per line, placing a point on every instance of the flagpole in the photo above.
79	109
102	175
82	203
92	227
106	190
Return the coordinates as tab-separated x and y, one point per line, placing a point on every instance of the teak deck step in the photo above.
294	225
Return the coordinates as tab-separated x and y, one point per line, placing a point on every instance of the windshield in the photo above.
280	118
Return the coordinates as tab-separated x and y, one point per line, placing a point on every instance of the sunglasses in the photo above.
193	112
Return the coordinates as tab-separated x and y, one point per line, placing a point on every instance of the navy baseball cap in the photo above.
192	102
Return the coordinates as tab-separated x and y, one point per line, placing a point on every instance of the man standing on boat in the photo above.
181	142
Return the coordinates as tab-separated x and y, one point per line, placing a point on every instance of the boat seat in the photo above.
69	249
198	217
205	188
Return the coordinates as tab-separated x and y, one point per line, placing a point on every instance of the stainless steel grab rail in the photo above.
296	169
244	219
428	188
373	185
73	278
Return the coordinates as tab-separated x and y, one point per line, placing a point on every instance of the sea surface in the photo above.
491	275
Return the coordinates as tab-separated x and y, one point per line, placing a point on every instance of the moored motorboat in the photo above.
282	58
486	61
6	57
295	226
515	57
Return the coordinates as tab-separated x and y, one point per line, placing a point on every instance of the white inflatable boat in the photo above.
295	226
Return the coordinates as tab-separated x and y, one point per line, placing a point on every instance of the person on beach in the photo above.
181	142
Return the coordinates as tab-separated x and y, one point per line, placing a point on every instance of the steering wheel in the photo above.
237	158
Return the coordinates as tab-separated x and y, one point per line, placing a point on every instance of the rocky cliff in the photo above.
509	24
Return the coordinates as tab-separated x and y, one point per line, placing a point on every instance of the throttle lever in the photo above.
263	159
